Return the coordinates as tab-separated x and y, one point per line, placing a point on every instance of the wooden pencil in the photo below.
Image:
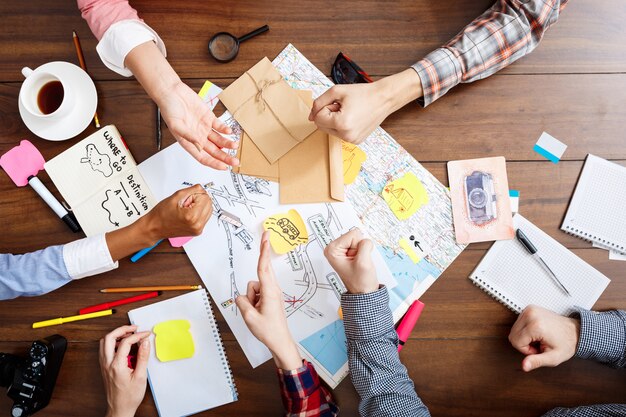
81	61
155	288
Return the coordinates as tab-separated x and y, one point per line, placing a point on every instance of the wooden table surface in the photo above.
573	86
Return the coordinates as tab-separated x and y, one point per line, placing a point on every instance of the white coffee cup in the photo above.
35	81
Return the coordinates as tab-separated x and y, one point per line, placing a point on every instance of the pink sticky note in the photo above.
177	242
21	162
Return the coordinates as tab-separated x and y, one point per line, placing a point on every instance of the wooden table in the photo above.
573	86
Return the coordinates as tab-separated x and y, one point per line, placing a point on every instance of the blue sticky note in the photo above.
550	148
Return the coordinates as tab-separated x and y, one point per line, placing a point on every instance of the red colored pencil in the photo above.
111	304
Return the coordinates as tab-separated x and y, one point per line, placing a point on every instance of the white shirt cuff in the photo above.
88	256
121	38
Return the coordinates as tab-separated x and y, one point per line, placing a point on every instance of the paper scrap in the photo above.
177	242
406	246
353	158
549	147
22	161
405	196
209	92
514	197
173	340
616	256
287	231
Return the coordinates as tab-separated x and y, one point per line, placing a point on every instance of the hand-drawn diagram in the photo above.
118	204
97	161
287	231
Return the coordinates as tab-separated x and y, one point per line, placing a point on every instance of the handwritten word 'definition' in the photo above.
136	187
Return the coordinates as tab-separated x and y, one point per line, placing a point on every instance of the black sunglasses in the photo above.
346	71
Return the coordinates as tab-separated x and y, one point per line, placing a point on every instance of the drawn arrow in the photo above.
124	204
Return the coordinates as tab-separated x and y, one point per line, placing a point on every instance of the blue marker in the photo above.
142	252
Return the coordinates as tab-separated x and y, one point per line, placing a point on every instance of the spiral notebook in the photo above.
187	386
597	212
514	277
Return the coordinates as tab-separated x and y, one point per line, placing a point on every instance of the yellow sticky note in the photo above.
353	158
406	246
287	231
173	340
405	196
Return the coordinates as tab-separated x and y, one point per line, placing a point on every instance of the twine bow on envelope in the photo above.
269	110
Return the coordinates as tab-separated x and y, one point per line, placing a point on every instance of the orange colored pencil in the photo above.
81	61
162	288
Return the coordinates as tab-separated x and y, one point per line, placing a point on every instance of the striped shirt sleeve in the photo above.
506	32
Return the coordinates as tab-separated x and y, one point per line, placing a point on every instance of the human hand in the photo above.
184	213
125	387
195	127
546	338
350	255
352	112
262	308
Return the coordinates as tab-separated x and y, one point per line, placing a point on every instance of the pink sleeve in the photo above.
101	14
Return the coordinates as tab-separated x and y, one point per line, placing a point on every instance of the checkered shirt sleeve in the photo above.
303	395
506	32
379	377
602	338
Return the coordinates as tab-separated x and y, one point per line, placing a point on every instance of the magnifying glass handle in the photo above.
255	32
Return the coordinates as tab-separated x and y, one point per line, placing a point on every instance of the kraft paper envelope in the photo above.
312	172
268	109
252	162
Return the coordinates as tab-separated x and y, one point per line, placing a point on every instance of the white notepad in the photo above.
597	212
514	277
188	386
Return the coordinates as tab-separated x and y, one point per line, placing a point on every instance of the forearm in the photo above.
150	67
603	337
378	375
139	235
507	31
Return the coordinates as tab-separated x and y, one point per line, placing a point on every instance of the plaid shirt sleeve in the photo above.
379	377
602	338
303	395
506	32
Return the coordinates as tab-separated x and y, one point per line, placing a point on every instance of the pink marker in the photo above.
408	322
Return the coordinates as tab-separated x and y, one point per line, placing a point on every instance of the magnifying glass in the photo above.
224	46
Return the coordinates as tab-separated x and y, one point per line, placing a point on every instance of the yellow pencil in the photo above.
61	320
163	288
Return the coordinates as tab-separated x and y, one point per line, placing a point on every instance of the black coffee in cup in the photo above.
50	97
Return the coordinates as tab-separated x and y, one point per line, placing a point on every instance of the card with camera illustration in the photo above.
480	200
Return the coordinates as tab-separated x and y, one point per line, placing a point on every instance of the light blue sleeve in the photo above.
33	273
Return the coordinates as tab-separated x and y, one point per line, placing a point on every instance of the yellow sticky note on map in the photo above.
406	246
173	340
353	158
287	231
405	196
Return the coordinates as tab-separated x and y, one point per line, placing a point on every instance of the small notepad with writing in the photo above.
514	277
99	179
202	379
597	212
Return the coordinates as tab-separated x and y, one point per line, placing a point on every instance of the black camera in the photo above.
30	380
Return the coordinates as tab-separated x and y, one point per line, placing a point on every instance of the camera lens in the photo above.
478	198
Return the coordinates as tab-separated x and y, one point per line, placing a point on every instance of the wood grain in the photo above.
572	86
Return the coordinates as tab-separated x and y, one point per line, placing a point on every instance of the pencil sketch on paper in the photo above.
100	162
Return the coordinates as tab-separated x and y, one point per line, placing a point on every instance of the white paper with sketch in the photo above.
187	386
514	277
226	257
99	179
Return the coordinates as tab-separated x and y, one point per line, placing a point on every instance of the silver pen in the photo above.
533	251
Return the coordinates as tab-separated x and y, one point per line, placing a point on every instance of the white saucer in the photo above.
78	118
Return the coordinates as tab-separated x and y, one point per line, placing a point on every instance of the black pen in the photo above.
158	128
533	251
